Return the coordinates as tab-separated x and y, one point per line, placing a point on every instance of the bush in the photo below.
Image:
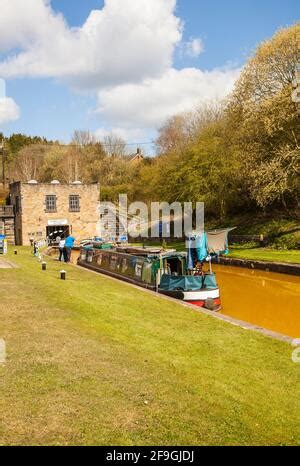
245	245
289	241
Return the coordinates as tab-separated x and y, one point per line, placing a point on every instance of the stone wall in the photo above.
32	219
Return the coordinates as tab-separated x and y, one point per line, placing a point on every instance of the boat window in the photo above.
174	265
113	262
138	270
105	260
124	265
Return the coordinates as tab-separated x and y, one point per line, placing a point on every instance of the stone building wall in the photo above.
32	219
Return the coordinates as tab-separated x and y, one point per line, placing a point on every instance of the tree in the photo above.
83	138
264	121
271	68
28	162
114	145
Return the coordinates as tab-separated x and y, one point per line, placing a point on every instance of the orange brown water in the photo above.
267	299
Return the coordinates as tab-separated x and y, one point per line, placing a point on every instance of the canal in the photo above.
267	299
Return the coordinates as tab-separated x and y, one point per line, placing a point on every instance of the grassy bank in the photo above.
265	254
246	252
253	223
95	361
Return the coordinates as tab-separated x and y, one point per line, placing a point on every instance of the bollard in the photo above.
44	265
62	275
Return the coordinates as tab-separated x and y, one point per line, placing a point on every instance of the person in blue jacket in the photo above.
69	244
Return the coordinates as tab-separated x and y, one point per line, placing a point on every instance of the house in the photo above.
138	157
51	210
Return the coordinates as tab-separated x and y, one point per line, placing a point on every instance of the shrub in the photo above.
289	241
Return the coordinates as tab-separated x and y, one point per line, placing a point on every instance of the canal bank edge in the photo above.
278	267
231	320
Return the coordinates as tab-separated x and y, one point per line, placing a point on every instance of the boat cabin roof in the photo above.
150	252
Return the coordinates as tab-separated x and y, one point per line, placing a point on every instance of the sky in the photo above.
123	66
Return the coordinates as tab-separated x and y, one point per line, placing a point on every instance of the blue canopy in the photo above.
197	248
200	245
188	282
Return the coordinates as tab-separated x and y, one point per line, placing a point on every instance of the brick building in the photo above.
50	210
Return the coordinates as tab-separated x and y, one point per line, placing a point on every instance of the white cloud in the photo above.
123	54
126	41
9	110
151	102
193	48
2	88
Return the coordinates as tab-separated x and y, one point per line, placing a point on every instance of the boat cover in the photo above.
188	282
217	241
202	244
210	281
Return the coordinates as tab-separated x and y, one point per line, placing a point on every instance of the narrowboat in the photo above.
187	276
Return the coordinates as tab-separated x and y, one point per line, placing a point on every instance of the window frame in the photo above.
52	208
75	199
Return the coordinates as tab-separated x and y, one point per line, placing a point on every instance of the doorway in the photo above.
57	232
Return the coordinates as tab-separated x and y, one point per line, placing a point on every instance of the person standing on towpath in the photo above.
69	244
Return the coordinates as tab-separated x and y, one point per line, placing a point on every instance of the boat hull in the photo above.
208	299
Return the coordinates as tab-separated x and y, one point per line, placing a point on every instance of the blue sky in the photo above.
228	31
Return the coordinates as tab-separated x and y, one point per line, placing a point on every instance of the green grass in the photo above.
95	361
265	254
251	253
256	223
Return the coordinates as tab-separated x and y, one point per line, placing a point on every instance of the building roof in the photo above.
52	183
137	157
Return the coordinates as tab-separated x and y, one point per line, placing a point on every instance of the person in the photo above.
199	269
35	249
61	246
69	243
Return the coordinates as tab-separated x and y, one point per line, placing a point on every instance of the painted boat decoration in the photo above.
180	275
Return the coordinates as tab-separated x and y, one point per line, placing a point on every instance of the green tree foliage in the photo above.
265	122
84	159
